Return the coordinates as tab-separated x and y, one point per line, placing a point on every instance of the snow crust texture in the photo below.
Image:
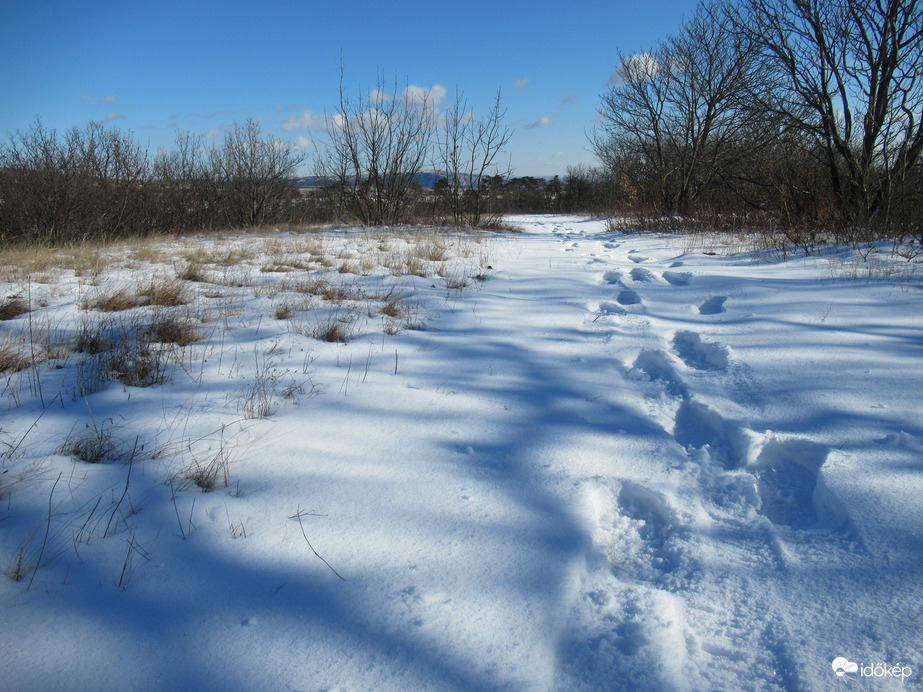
613	462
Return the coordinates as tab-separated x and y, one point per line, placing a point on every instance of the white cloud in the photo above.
522	83
635	69
432	97
541	122
378	97
308	120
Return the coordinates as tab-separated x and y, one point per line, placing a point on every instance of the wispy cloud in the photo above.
541	122
521	84
108	99
114	116
201	116
282	107
569	99
308	120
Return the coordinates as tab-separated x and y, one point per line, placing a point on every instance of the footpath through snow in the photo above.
614	464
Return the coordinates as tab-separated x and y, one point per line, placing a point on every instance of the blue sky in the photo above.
157	68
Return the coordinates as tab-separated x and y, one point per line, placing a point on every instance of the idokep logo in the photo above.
841	666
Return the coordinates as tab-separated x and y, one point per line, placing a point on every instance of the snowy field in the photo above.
565	459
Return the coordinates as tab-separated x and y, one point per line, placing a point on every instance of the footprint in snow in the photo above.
677	278
651	541
713	306
697	426
608	308
629	298
641	275
698	354
787	481
637	259
612	277
656	366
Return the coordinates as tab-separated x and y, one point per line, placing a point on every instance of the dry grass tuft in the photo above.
394	307
284	310
336	328
138	366
173	329
116	301
12	358
190	270
93	444
11	308
164	292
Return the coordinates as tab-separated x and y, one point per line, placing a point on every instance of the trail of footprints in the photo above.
785	471
744	474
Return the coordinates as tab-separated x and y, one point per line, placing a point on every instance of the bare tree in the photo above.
186	182
467	151
86	184
253	175
376	146
672	113
849	76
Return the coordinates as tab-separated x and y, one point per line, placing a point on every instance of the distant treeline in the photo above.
96	183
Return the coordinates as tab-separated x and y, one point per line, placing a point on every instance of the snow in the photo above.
611	462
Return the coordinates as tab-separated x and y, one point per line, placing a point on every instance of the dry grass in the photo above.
92	338
11	308
141	365
190	270
174	329
337	327
164	292
93	444
12	358
117	301
394	306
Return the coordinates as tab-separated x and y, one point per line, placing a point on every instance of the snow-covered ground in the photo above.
608	462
